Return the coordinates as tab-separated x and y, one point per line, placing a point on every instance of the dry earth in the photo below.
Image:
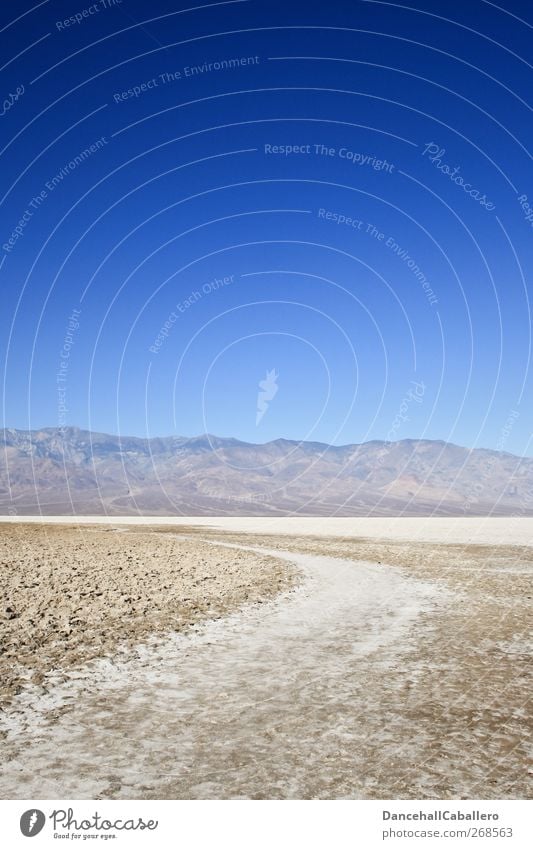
450	712
394	669
71	594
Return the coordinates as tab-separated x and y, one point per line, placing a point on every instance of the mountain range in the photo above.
56	471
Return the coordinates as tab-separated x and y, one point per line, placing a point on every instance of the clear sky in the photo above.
331	194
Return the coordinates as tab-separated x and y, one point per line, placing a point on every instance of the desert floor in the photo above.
266	659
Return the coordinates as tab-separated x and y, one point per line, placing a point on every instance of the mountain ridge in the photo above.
74	470
231	439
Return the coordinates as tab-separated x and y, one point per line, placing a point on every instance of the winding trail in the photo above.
270	702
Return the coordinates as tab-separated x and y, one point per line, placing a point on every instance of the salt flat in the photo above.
508	530
192	717
384	665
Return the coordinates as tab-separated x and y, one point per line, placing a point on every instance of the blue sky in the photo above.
336	193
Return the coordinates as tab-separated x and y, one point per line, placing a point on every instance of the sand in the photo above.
384	668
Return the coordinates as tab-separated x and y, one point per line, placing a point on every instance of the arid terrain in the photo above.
267	659
72	594
70	471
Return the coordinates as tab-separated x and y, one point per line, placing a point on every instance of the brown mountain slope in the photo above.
75	471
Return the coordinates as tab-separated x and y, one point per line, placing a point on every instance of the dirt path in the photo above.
271	702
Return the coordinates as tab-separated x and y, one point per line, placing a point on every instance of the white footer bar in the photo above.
243	824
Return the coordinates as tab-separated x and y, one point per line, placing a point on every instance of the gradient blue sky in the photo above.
181	193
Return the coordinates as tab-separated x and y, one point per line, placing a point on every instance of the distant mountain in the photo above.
73	471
